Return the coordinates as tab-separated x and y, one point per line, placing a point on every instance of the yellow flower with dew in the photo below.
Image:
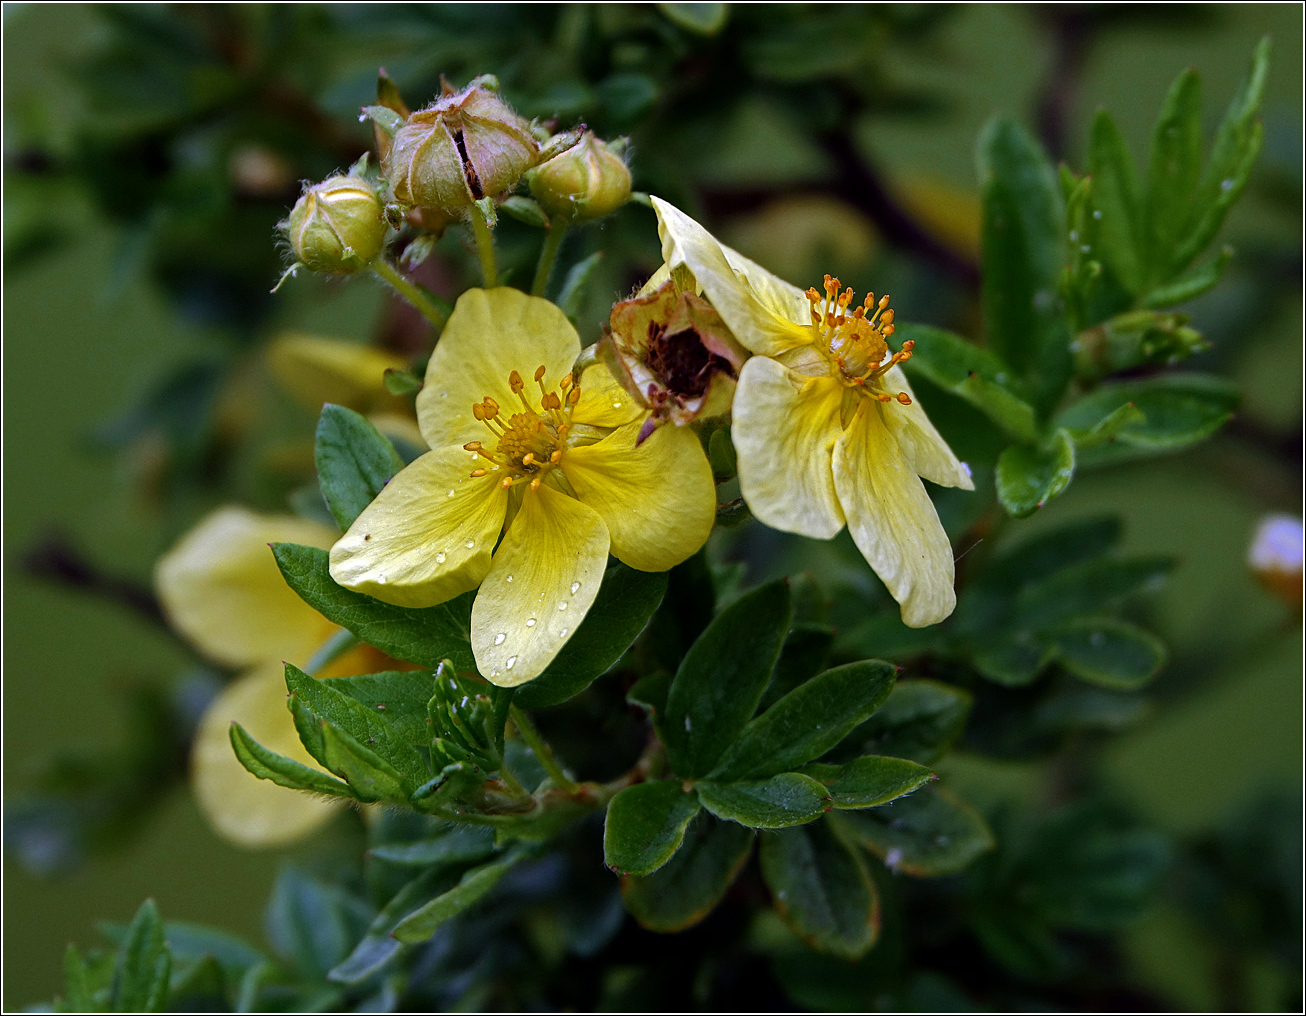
520	446
825	427
221	589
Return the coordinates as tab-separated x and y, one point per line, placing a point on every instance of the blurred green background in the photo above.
84	339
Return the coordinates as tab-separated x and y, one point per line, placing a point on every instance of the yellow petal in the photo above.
662	275
545	576
920	444
490	334
221	588
428	535
766	314
784	430
240	806
603	402
892	519
658	499
316	370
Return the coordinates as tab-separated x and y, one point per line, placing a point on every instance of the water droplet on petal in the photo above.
530	622
451	493
574	586
511	661
494	672
498	639
509	578
562	634
381	578
616	405
470	544
439	558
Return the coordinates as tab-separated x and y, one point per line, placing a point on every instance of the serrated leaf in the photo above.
869	781
807	722
627	598
1028	478
722	677
368	727
686	889
354	461
285	772
474	884
1117	195
929	833
785	799
1024	253
919	721
645	825
1109	652
421	635
821	889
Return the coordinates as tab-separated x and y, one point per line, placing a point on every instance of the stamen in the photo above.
904	398
479	472
515	382
539	373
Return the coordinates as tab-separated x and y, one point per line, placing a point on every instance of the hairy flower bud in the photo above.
337	226
466	146
586	181
674	354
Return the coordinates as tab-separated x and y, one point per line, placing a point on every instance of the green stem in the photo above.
484	246
409	292
548	255
331	650
511	782
542	751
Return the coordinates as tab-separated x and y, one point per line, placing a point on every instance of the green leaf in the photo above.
927	834
807	722
645	826
626	600
919	721
1117	194
1108	428
401	382
869	781
1109	652
1178	410
650	693
821	889
367	726
142	966
1237	143
1013	658
313	924
354	461
285	772
1028	478
1024	253
685	889
1191	284
400	696
370	776
572	294
974	374
806	649
475	883
699	18
722	677
1174	167
721	454
1084	588
385	118
420	635
783	800
524	209
457	843
77	991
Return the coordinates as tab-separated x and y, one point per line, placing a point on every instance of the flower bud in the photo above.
586	181
337	226
1275	557
674	354
465	146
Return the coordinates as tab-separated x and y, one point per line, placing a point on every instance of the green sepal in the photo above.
285	772
821	889
645	825
786	799
807	722
385	118
686	889
869	781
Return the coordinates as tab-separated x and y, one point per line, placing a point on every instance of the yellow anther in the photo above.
515	382
573	396
528	459
479	472
566	382
556	457
472	446
506	483
535	483
551	401
889	329
539	373
904	398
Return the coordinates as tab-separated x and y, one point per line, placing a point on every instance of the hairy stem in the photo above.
484	246
409	292
542	751
548	255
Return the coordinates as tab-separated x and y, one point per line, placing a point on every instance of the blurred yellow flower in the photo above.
825	427
558	471
221	589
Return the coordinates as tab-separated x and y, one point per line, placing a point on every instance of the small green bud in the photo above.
337	226
466	146
587	181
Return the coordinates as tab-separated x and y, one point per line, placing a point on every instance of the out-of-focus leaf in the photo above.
646	825
699	18
1028	477
452	845
1191	284
313	924
1174	168
821	889
422	923
918	721
1117	195
1109	652
142	966
1086	587
572	294
928	833
870	780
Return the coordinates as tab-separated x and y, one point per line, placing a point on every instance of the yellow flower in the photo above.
518	446
825	427
221	589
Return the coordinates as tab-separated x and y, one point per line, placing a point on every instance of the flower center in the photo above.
856	343
528	443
